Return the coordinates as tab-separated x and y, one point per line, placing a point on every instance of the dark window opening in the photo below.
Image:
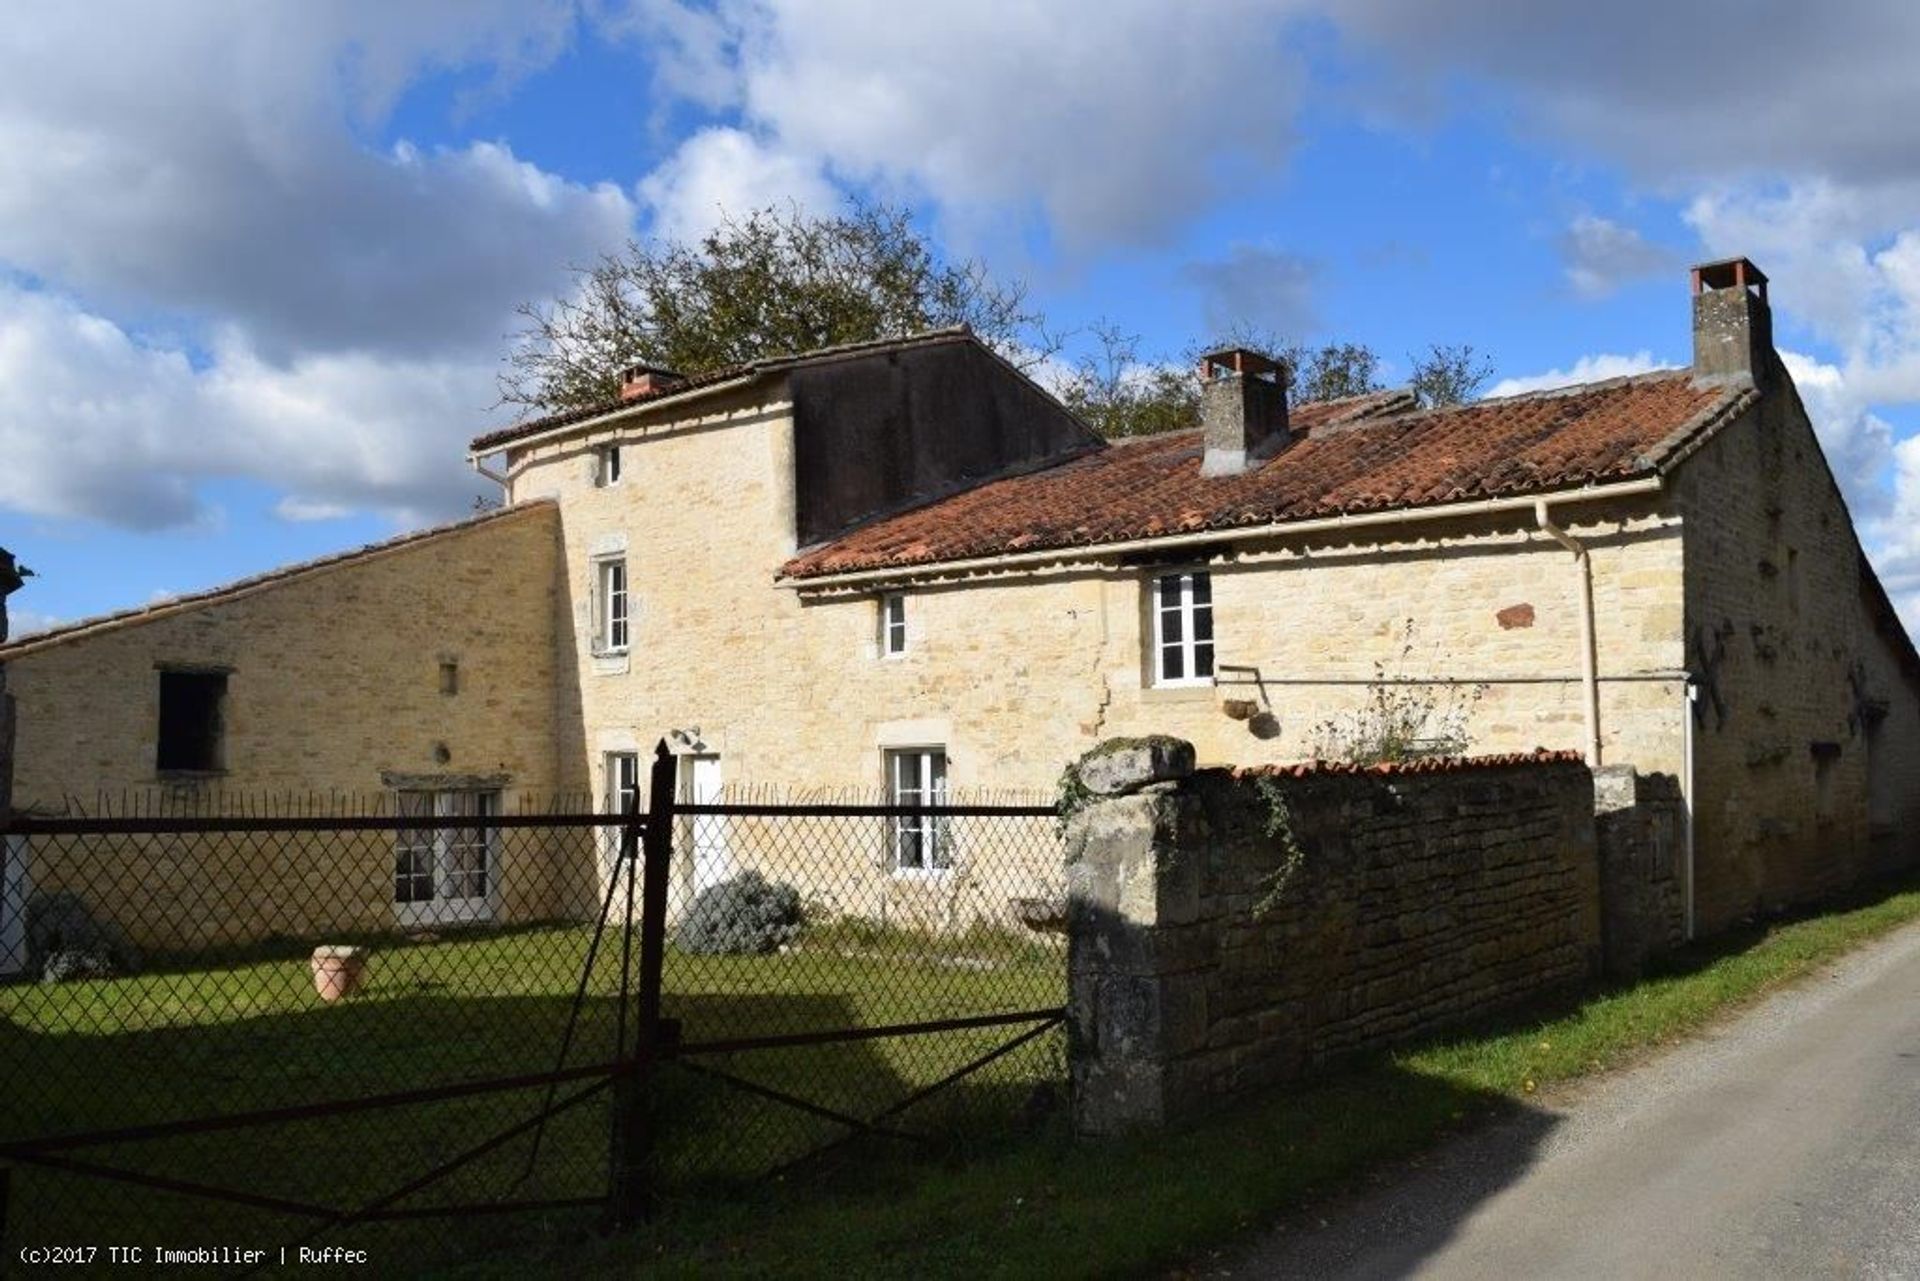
449	678
191	704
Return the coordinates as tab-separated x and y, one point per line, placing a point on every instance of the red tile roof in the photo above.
1350	457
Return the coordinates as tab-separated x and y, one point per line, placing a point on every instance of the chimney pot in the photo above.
1243	410
1732	321
647	380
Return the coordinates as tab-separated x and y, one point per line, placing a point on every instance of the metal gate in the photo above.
577	1062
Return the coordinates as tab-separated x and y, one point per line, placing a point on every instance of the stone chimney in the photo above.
647	380
1243	410
1732	324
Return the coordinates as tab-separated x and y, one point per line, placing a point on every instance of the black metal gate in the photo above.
548	1056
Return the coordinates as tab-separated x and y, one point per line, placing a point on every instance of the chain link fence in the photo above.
440	1032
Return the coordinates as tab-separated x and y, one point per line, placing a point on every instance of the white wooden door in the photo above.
712	860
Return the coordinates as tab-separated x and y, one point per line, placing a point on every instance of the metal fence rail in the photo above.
452	1031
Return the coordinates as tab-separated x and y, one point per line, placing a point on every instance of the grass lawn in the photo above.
192	1039
1131	1207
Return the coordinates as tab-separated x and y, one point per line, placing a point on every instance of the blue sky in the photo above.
257	264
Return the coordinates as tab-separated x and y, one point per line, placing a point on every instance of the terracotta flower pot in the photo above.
338	970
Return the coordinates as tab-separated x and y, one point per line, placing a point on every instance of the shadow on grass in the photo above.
255	1037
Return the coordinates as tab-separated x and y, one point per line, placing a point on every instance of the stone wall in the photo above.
1806	704
1230	930
1014	674
334	683
1640	824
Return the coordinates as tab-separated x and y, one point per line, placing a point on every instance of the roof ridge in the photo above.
500	436
243	586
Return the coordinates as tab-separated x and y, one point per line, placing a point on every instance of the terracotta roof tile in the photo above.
1350	457
1424	765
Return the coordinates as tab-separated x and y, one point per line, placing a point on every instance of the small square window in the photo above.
192	722
607	472
893	624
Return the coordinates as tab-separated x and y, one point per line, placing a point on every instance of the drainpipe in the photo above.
1689	697
489	473
1589	657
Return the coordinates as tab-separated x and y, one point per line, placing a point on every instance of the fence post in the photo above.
634	1122
12	578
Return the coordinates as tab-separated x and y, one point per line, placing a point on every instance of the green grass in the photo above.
1129	1207
182	1041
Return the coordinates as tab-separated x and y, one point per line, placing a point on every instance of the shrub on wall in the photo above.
1401	719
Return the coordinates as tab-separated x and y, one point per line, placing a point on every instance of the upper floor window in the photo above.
893	624
192	721
1183	629
607	472
610	631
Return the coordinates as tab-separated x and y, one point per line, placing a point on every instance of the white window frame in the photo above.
1187	646
607	466
918	776
432	855
612	629
623	780
893	624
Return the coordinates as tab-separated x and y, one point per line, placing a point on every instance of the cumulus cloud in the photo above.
1587	369
1599	255
1109	120
204	160
1858	443
1268	290
98	425
1682	92
721	171
231	278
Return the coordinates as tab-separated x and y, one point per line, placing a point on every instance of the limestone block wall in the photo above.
1231	930
1640	830
334	683
1804	699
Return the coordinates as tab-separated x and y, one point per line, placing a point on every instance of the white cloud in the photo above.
97	425
1110	120
1897	556
1857	442
1587	369
1681	92
207	162
719	172
1600	255
22	623
232	279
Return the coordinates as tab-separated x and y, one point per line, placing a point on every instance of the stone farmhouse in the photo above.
902	567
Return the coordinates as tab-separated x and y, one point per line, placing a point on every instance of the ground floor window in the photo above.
623	781
919	842
445	873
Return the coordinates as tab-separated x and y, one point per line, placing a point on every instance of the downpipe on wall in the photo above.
1589	654
1690	694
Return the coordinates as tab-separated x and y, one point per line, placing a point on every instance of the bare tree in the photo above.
1449	375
